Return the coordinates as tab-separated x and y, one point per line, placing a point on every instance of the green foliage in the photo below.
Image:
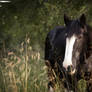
36	18
82	86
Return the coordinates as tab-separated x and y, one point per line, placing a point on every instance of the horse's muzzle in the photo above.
71	70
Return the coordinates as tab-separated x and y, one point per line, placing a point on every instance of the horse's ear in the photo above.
83	20
66	19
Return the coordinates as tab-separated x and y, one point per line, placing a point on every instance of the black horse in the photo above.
66	50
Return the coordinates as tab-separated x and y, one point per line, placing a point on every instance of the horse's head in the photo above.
75	43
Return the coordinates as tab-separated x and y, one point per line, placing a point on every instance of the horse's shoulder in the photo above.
60	30
56	31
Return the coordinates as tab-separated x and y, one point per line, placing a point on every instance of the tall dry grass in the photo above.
25	71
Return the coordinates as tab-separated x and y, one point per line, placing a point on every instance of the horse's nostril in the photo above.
70	68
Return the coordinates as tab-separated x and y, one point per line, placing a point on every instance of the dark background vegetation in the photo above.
22	21
36	17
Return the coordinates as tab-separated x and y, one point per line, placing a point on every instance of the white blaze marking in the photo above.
68	51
